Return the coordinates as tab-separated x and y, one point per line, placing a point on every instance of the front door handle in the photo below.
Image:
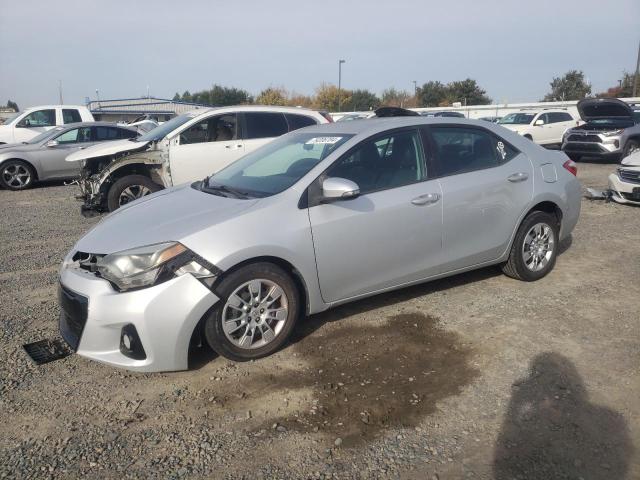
518	177
426	199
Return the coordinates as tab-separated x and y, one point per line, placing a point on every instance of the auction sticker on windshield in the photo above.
323	140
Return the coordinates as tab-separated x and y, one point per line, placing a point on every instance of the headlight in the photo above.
613	133
150	265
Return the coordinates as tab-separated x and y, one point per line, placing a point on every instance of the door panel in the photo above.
205	148
480	211
377	240
52	159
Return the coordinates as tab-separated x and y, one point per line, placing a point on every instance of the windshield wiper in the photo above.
206	187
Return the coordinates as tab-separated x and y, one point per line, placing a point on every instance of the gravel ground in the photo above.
476	376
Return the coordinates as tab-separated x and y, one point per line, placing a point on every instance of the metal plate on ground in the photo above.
45	351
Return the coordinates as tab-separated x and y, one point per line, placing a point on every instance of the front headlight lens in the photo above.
146	266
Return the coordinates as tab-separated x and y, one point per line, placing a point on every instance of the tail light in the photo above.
328	116
571	166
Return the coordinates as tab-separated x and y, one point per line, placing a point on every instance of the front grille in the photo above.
634	197
632	176
584	138
582	147
73	315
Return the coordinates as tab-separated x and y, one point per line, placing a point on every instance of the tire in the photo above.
239	315
16	175
632	146
128	189
520	267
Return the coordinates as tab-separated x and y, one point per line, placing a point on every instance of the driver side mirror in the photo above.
335	188
538	122
52	143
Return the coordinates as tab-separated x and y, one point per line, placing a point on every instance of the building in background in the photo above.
128	109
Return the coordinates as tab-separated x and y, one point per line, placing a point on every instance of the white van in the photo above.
23	126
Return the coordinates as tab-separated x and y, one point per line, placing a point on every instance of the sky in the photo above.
513	48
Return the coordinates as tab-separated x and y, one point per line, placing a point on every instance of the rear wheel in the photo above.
129	188
16	175
258	309
535	247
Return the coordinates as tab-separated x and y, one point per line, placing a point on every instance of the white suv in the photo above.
24	126
544	127
186	148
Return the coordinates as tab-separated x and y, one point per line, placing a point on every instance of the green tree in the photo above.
571	86
300	100
364	100
395	98
272	96
431	94
186	96
223	96
623	89
12	104
326	98
176	97
467	92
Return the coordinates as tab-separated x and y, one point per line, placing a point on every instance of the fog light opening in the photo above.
130	344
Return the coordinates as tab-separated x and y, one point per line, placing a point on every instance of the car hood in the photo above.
593	108
105	149
168	215
632	160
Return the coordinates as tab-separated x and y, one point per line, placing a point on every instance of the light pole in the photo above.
340	62
415	88
637	74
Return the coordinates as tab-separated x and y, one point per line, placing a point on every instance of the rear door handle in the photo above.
426	199
518	177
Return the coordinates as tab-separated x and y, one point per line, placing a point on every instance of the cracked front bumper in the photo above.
164	317
623	191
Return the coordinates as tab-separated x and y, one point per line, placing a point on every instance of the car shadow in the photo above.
201	356
551	430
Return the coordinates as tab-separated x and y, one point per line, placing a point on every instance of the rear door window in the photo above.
296	121
125	133
265	125
70	115
461	149
557	117
106	133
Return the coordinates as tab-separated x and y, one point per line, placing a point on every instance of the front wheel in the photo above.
129	188
16	175
535	247
258	309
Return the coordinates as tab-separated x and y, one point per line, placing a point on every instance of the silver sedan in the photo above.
319	217
43	157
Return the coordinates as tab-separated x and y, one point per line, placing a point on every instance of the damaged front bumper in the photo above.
624	185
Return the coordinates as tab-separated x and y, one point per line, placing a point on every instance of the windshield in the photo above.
166	128
44	135
279	164
517	119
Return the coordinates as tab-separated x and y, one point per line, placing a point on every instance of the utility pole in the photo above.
635	77
415	88
60	91
340	62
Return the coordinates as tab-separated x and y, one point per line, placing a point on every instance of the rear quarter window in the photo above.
70	115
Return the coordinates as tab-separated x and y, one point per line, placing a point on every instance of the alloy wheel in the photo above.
16	175
538	247
255	313
132	193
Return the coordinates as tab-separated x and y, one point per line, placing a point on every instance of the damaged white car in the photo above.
186	148
624	184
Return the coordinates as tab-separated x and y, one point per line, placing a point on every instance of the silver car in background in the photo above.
43	157
319	217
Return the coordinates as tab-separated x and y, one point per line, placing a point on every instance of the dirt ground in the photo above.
475	376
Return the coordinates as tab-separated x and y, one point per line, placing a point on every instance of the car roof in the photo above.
375	125
92	124
254	108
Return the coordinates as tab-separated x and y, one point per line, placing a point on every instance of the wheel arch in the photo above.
287	266
33	167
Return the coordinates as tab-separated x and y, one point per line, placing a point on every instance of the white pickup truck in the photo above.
25	125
